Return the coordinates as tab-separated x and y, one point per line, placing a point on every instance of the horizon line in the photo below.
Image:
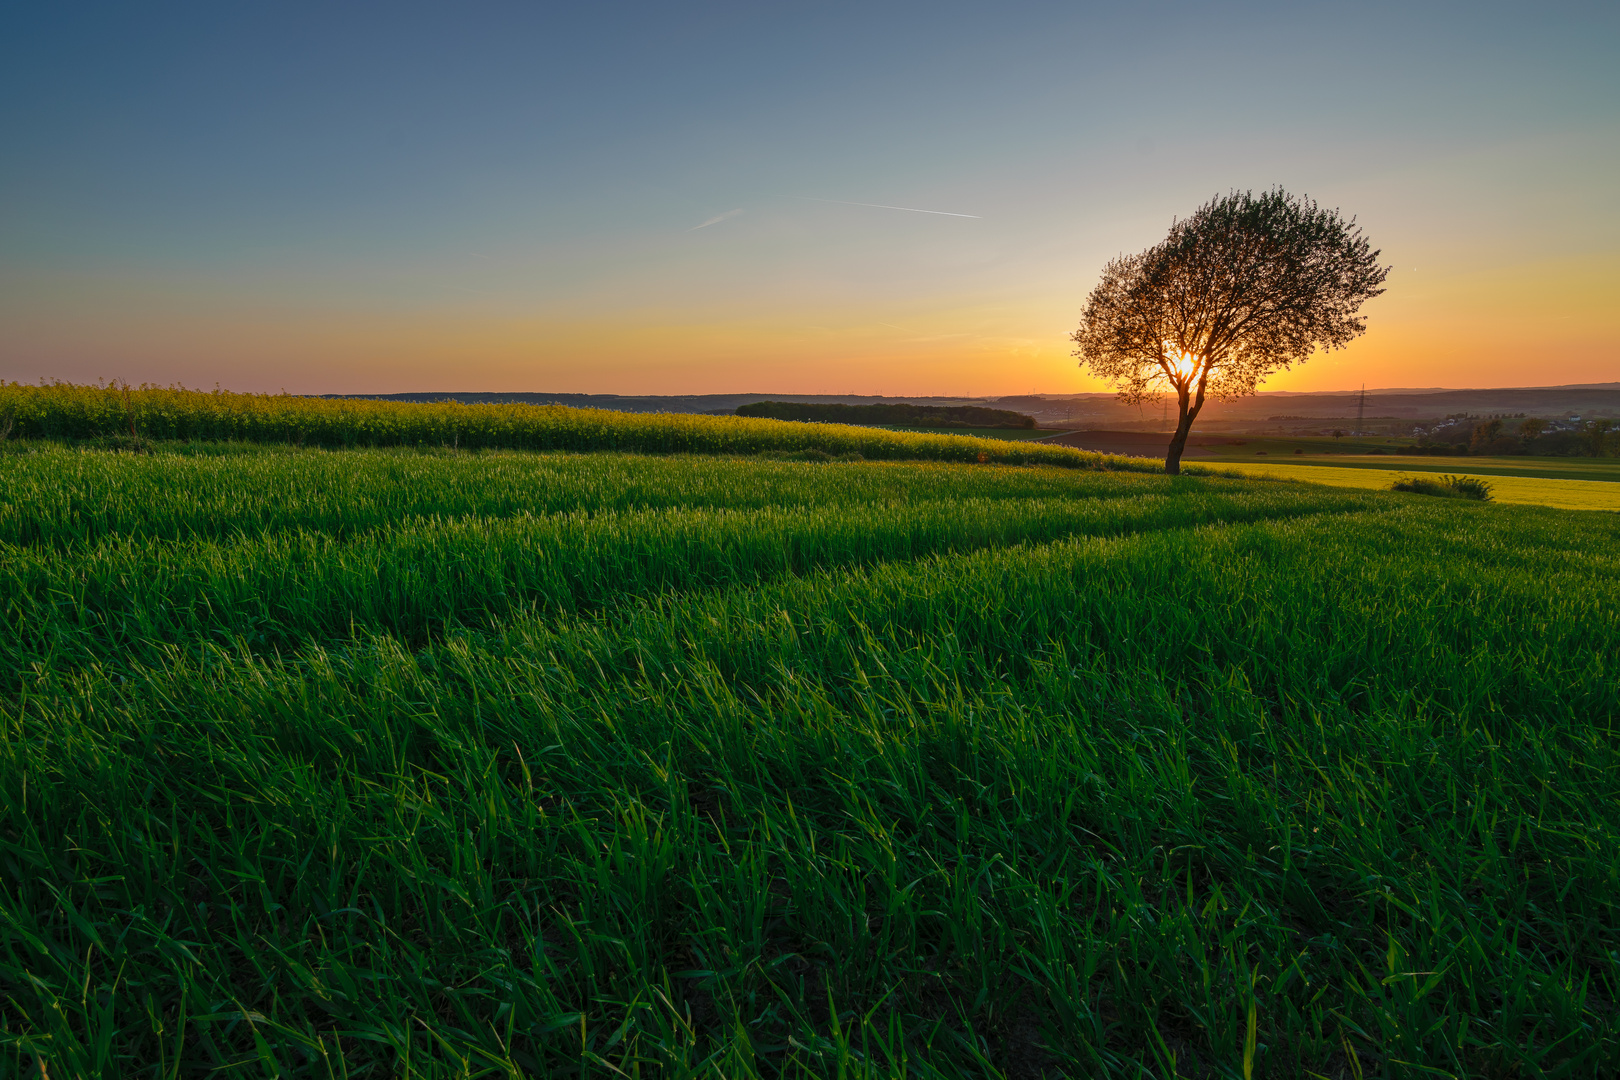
1040	394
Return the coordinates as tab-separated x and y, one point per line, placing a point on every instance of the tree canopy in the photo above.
1246	286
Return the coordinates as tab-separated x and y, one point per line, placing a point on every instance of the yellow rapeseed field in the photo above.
1526	490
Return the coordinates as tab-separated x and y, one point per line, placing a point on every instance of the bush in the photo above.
885	413
1449	487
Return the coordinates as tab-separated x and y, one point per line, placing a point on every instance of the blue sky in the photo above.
353	197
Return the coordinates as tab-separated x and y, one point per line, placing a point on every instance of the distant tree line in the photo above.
964	416
1535	435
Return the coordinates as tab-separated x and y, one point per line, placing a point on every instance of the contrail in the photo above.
886	206
717	219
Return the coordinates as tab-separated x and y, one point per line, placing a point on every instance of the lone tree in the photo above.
1246	286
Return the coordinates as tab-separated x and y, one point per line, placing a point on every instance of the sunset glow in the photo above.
1184	365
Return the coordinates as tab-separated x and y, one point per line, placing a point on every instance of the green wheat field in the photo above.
345	739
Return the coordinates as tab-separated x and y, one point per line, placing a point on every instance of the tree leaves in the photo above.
1246	286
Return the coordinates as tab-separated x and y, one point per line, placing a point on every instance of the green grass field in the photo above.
418	762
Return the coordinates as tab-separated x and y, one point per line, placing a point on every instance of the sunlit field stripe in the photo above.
1522	490
64	411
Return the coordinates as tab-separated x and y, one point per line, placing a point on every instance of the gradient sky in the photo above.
624	198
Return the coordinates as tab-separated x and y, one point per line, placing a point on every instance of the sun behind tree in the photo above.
1245	287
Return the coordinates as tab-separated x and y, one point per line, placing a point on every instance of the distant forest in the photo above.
966	416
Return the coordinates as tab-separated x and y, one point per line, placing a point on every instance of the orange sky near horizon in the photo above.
1545	323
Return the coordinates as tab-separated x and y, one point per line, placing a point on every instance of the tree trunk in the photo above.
1178	441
